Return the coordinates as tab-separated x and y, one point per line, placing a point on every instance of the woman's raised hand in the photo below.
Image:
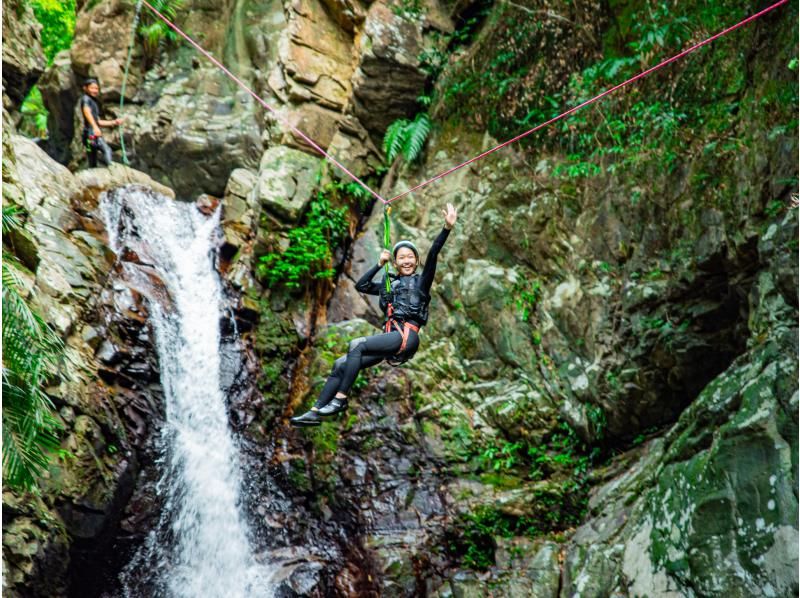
450	216
385	257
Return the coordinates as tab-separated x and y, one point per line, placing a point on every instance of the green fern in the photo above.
31	352
406	137
393	140
154	31
416	134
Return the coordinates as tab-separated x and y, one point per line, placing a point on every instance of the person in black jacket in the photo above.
92	134
406	309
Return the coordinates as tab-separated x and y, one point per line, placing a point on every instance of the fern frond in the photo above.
416	135
11	218
394	139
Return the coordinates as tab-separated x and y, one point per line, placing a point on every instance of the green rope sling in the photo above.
387	239
125	79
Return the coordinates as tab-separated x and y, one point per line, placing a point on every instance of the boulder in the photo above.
100	48
239	207
286	181
197	130
317	123
352	146
96	180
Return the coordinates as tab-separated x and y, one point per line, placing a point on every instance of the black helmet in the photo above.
408	244
89	81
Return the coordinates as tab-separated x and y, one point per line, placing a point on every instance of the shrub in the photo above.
309	253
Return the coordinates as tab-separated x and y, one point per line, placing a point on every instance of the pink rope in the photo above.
591	101
262	102
487	152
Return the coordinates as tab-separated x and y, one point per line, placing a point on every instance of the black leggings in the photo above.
95	147
365	352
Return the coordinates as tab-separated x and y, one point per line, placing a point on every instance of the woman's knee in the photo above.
356	345
338	367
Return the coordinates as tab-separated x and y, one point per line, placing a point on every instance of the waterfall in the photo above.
200	547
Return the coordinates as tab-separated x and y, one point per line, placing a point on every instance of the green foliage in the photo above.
31	352
597	418
509	86
153	31
527	295
500	459
775	207
562	452
34	114
58	24
409	9
309	253
473	540
406	137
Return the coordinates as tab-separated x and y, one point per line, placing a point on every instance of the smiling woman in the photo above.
404	299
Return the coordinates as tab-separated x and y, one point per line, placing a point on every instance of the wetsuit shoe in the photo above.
309	418
336	405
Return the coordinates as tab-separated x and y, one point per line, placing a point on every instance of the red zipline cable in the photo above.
587	102
308	140
487	152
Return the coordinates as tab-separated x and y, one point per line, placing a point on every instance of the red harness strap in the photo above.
404	330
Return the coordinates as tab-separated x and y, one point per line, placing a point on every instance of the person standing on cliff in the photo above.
92	134
406	308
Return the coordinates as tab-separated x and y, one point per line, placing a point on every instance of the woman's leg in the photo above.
365	352
331	384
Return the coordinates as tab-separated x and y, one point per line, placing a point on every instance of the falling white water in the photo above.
208	552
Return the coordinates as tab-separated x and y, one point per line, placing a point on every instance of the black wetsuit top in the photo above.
367	286
94	108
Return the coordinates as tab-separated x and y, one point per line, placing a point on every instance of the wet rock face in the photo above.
23	57
110	404
719	486
60	88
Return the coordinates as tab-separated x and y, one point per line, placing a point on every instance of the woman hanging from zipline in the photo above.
404	299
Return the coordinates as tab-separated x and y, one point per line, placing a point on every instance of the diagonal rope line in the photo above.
241	84
592	100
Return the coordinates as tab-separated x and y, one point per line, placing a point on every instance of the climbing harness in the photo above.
125	78
404	331
487	152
